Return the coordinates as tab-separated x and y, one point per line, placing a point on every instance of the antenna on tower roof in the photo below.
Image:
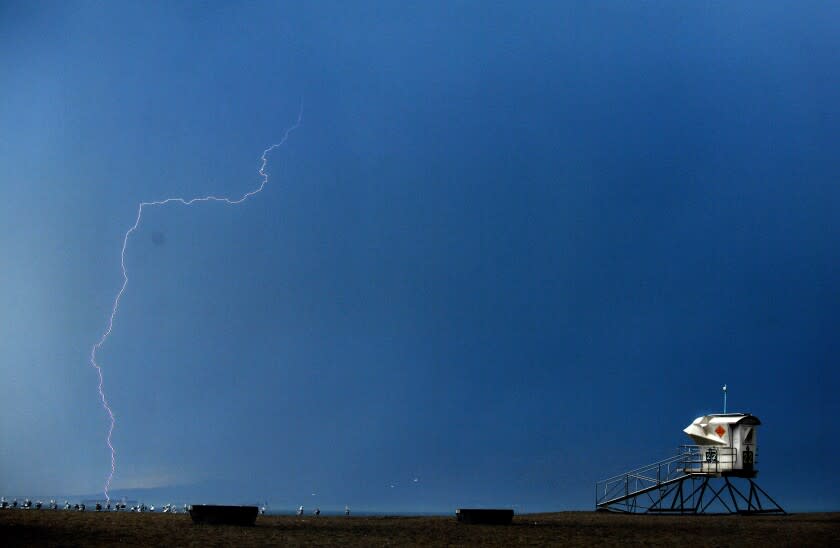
724	399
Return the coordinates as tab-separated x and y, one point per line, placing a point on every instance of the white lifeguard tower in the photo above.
727	443
701	478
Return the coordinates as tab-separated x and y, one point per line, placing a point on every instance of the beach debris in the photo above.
493	516
212	514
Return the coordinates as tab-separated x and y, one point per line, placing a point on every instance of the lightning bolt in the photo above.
105	405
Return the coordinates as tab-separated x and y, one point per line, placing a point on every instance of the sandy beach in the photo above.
68	528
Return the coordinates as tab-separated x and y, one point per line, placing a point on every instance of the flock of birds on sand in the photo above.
27	504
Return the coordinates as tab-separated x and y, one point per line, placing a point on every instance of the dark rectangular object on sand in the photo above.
223	515
484	515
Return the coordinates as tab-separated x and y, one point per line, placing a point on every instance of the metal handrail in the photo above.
643	468
691	459
622	485
712	459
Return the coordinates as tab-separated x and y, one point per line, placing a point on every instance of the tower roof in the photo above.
708	429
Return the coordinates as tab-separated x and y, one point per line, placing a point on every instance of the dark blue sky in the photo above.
512	249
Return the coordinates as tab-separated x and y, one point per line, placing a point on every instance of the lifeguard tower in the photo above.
699	479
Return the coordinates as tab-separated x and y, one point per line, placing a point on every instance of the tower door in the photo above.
748	449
